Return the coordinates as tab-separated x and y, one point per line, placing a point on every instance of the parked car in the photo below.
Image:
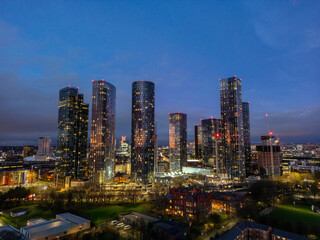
114	222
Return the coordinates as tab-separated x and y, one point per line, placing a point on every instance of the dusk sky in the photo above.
184	47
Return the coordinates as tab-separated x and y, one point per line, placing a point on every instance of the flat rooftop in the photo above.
72	218
48	227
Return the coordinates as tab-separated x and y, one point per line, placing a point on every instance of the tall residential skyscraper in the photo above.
44	146
102	141
142	132
198	141
232	127
178	141
246	135
211	142
72	134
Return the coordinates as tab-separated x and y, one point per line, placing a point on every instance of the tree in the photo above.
215	218
314	189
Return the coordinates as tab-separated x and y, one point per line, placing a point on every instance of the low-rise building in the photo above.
9	232
188	202
164	229
228	201
255	231
65	224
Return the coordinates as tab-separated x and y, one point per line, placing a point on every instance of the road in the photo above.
226	226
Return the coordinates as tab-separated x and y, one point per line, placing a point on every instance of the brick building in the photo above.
228	202
188	202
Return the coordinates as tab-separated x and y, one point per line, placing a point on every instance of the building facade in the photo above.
232	128
44	146
269	157
142	132
247	138
198	141
102	140
178	141
72	135
188	202
211	144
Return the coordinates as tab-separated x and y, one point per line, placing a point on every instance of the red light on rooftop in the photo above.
235	76
219	79
169	113
270	133
68	86
217	135
77	87
179	112
102	80
201	119
211	117
266	114
92	80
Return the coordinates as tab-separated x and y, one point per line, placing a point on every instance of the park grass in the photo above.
33	212
284	215
107	213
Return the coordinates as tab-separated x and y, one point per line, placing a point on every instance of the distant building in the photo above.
188	202
17	176
247	138
232	128
142	132
268	157
28	151
72	135
255	231
178	141
44	146
102	141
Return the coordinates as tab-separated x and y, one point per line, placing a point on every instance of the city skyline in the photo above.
279	69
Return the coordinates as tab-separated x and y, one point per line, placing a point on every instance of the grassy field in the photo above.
33	213
101	214
297	218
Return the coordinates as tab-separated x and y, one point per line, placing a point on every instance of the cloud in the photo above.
295	125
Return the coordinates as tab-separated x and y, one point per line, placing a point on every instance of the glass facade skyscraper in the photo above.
142	132
246	135
211	143
198	141
232	127
178	141
72	134
102	141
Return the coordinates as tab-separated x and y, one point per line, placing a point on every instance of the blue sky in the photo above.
184	47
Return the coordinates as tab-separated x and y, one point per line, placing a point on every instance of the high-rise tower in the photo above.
211	143
178	141
232	127
142	132
246	135
72	134
198	141
102	141
44	146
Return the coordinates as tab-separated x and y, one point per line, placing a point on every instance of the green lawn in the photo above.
289	217
101	214
33	212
